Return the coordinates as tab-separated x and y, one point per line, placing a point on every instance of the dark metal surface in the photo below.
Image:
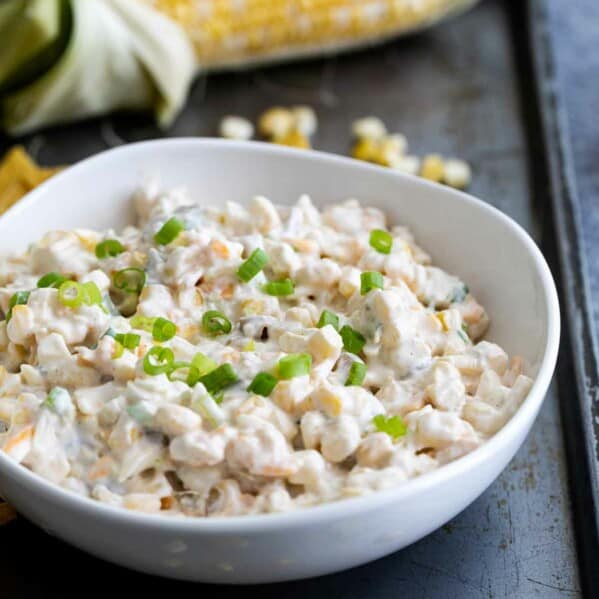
460	89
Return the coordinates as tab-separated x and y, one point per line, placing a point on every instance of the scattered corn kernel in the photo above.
370	127
366	149
433	168
293	138
236	127
406	164
394	144
457	173
276	122
305	120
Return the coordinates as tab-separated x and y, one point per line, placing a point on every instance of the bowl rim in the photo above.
340	508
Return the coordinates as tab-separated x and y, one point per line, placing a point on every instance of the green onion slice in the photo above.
145	323
353	341
129	280
158	360
216	323
279	288
163	329
18	298
185	372
128	340
91	293
218	379
71	294
370	281
253	265
394	426
51	279
109	249
356	375
118	350
203	363
169	231
263	384
381	241
294	365
328	317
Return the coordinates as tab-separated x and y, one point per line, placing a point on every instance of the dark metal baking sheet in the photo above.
461	89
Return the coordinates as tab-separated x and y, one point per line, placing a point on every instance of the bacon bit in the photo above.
220	249
7	513
166	503
25	435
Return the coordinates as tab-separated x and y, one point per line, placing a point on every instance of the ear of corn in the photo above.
229	33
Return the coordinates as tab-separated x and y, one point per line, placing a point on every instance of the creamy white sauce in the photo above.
82	412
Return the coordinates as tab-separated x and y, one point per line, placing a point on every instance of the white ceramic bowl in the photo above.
493	254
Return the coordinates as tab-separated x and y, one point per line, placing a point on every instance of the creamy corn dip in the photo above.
219	361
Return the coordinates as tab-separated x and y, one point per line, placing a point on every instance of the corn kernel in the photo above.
294	139
370	127
432	168
236	127
329	402
276	122
365	149
305	120
441	318
457	173
406	164
325	343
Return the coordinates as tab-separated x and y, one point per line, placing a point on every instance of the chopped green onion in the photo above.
464	336
185	372
129	280
216	323
356	375
203	363
118	350
109	249
219	378
253	265
128	340
279	288
328	317
145	323
18	298
163	329
71	294
370	281
91	293
381	241
394	426
158	360
193	376
51	279
169	231
459	294
59	401
294	365
263	384
353	341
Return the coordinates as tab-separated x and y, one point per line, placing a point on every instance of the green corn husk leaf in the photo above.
119	54
29	30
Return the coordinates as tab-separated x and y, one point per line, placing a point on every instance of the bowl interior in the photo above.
476	242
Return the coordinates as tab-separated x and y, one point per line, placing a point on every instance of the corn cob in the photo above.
232	33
